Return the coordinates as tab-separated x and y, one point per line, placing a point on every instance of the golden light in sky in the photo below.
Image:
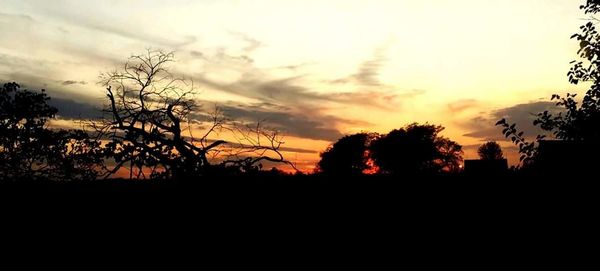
315	69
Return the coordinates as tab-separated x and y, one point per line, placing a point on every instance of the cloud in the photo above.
197	54
69	109
461	106
222	57
137	35
252	43
258	84
289	103
483	127
368	71
22	62
73	17
260	87
5	17
71	82
293	67
283	97
118	27
381	99
309	125
297	150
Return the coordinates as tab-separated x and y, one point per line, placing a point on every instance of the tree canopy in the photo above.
490	151
416	149
348	156
31	150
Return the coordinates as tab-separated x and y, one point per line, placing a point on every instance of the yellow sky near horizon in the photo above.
318	69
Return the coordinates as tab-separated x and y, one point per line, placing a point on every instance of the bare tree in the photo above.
154	122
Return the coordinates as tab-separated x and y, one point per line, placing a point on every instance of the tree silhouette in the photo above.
450	155
30	150
416	149
347	156
579	119
490	151
153	121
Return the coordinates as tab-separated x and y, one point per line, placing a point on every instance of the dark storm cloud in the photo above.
483	127
69	109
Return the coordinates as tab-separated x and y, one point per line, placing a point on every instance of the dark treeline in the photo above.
145	132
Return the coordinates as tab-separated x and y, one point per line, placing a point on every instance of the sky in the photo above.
316	70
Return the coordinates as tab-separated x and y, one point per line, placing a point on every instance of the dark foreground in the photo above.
306	190
465	220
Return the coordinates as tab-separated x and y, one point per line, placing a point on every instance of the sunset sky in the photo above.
314	69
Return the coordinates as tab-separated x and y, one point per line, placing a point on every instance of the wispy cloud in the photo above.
307	123
71	82
294	124
368	71
463	105
252	43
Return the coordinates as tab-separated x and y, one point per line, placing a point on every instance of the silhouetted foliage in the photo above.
153	119
348	156
579	120
30	150
416	149
591	6
490	151
527	149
